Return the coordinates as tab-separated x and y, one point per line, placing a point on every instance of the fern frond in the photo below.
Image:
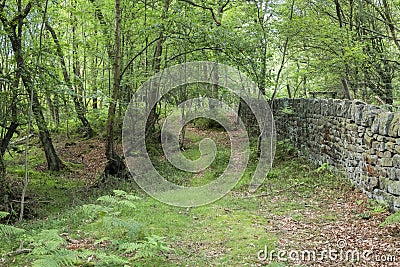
146	249
8	230
130	247
3	214
132	197
109	199
127	203
126	226
119	193
104	259
47	241
59	258
46	262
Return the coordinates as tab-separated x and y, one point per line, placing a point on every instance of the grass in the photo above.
122	230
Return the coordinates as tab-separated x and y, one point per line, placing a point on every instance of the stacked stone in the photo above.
361	140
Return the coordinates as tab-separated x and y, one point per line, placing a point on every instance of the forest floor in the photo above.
301	216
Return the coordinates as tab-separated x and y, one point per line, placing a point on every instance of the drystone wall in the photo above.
361	140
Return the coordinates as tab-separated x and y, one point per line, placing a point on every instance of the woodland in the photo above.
69	69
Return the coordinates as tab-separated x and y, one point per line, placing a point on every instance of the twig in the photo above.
19	252
35	201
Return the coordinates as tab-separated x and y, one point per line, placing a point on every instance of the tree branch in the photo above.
23	14
221	9
138	54
206	8
2	15
194	50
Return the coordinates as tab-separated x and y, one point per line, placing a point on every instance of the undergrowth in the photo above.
104	234
128	228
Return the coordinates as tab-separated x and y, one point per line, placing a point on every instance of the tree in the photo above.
14	30
115	164
77	102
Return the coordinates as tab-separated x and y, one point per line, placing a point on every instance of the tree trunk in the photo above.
390	24
5	185
115	164
53	161
77	102
7	138
153	116
14	117
346	88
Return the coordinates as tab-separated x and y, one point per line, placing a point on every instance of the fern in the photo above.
121	227
113	200
92	212
146	249
6	231
47	262
60	258
47	241
3	214
104	259
120	198
120	193
48	250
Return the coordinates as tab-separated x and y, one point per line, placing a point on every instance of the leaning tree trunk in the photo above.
5	188
53	161
14	118
2	171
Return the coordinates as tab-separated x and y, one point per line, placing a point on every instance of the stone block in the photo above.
396	204
393	187
369	113
382	197
394	174
368	140
387	154
382	123
380	138
383	183
394	127
396	161
389	146
387	162
370	159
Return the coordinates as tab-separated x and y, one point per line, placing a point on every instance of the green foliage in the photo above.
56	258
323	168
146	249
288	110
285	148
120	198
8	231
110	223
376	207
392	219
